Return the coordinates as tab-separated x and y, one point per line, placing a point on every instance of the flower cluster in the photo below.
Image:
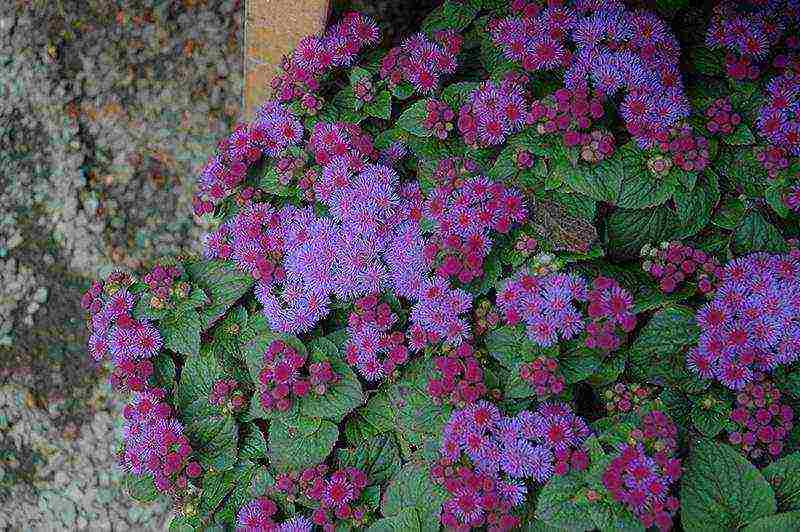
225	394
114	334
570	113
274	130
439	314
493	111
347	143
545	303
611	310
606	47
485	318
623	398
316	55
792	198
439	118
422	62
762	421
465	212
721	117
460	376
673	263
337	493
282	377
370	329
543	376
163	285
774	159
779	117
643	472
753	321
502	453
257	516
154	442
685	150
747	30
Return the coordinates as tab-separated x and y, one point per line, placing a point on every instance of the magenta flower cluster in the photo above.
225	393
422	62
571	113
154	442
762	421
792	198
779	117
258	516
643	473
610	309
752	324
374	347
115	335
164	287
543	376
494	111
673	264
439	118
604	46
747	29
546	304
284	376
623	398
721	117
337	493
687	151
458	378
503	452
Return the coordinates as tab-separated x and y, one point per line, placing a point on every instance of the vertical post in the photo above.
272	28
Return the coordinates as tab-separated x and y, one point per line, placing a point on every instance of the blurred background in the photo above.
108	110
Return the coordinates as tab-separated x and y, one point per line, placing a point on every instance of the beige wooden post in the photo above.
272	28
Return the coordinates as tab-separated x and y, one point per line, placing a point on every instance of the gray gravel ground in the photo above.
108	108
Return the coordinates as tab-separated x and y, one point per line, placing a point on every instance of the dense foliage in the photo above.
533	268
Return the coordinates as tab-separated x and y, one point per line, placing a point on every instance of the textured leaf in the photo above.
253	445
710	421
341	398
579	365
381	106
784	476
376	417
721	490
405	521
222	282
741	136
773	523
181	331
558	506
197	378
141	488
629	230
511	346
695	207
292	449
708	61
410	488
668	332
214	440
164	371
757	234
449	16
412	119
379	458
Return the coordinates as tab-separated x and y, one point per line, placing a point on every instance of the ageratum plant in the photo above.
533	268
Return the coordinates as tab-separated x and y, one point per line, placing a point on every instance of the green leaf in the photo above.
629	230
757	234
449	16
707	61
381	106
710	421
511	346
198	375
722	491
253	445
695	207
730	214
457	94
773	523
774	196
412	119
784	476
181	331
340	398
140	488
406	521
214	441
559	507
741	136
403	90
290	448
412	488
668	332
376	417
579	365
222	282
164	371
379	458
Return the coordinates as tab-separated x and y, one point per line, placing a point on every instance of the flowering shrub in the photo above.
535	267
